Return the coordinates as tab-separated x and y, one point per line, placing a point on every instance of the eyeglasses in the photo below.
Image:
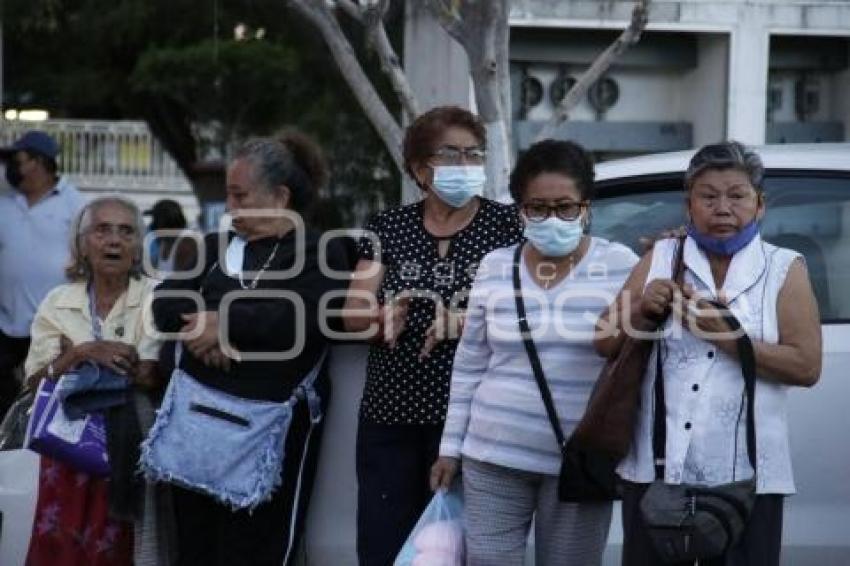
451	155
734	198
538	211
105	229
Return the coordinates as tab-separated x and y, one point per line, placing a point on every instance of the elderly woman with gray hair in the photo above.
767	289
249	356
97	318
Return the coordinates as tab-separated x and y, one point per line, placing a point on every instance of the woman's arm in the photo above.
168	309
610	334
361	304
472	359
796	359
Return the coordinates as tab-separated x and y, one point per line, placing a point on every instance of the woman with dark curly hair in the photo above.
416	266
497	427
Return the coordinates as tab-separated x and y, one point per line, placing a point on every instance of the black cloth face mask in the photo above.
13	173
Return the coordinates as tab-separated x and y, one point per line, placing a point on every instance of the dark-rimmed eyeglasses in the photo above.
452	155
538	211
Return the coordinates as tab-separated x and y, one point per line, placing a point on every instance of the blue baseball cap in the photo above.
35	142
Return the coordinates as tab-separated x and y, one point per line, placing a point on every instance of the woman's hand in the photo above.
649	241
120	357
207	322
655	303
447	325
443	472
392	320
705	321
216	359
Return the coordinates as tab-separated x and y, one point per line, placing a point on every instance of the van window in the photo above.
809	213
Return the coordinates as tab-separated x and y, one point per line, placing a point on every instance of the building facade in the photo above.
759	71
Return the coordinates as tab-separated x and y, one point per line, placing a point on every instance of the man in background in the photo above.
35	219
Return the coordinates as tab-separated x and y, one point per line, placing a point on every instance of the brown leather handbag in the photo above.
607	426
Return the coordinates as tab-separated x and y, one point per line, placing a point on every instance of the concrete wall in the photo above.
703	90
748	23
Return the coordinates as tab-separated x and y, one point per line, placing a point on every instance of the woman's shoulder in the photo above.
496	263
65	294
395	215
780	259
144	284
614	254
506	211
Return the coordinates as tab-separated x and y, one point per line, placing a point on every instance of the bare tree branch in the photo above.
317	12
351	8
373	20
629	37
448	14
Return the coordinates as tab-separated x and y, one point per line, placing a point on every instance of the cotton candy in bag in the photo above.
438	537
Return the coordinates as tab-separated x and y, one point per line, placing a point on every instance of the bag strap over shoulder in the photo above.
533	357
746	356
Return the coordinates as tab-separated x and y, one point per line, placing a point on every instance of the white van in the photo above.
808	196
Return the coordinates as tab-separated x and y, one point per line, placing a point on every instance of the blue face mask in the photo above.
455	185
554	237
726	246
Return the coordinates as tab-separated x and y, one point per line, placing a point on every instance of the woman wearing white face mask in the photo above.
497	426
410	286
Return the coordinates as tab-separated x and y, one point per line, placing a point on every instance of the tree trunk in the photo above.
481	27
317	12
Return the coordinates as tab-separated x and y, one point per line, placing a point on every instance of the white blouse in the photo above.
703	386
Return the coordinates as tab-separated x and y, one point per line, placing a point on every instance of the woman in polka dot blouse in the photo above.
416	266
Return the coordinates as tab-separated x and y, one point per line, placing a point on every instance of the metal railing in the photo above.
107	155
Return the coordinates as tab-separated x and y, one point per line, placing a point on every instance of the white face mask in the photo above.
455	185
554	237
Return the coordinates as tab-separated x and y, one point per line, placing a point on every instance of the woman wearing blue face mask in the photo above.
410	288
497	427
768	290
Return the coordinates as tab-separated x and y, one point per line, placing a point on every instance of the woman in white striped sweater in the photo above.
497	428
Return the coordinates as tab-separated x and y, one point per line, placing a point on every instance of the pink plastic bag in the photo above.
438	537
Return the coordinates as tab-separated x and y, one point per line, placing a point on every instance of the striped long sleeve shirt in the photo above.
496	413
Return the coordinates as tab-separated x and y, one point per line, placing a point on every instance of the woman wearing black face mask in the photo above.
13	173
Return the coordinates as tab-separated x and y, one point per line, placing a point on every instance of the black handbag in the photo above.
689	522
586	475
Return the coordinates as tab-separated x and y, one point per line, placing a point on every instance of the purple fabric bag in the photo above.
79	443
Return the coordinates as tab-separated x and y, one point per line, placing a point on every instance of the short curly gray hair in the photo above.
78	268
726	155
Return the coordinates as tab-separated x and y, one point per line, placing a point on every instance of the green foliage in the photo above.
237	84
176	64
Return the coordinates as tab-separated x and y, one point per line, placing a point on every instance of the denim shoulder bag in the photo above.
690	522
222	445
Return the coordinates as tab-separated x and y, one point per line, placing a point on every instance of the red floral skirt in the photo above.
72	526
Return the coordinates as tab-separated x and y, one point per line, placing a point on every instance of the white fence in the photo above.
101	156
107	155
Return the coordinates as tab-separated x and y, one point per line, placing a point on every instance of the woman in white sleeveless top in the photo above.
767	288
